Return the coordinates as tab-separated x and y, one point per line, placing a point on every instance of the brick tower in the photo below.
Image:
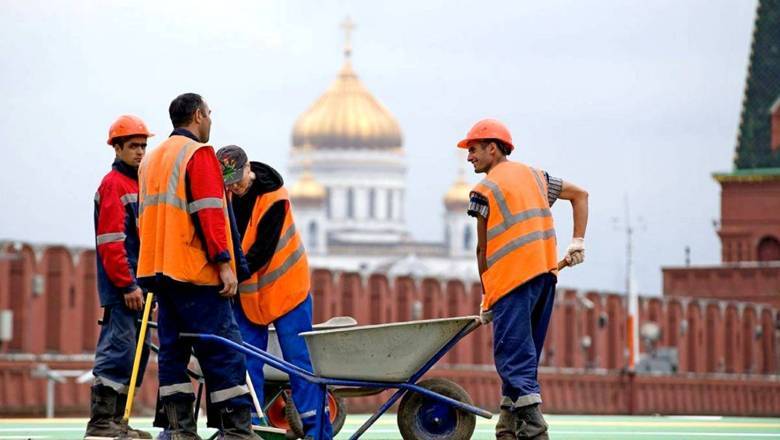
750	194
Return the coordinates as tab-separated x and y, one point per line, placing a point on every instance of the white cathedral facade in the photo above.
348	164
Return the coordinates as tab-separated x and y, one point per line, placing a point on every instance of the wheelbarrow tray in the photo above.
381	353
270	373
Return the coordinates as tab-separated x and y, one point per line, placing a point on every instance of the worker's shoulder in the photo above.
115	181
517	167
267	179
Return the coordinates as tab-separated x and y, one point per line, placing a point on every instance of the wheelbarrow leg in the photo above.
321	414
374	417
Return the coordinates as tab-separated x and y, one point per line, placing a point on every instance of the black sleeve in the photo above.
242	268
268	231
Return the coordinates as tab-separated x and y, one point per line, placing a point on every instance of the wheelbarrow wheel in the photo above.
423	418
336	407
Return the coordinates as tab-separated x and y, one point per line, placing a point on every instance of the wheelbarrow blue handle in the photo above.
309	377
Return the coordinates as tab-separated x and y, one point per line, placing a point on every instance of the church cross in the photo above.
348	27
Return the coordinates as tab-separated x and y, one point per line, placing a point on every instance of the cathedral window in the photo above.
401	205
389	204
328	203
467	238
313	235
350	203
372	203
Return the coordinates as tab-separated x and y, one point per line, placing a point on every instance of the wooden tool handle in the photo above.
137	360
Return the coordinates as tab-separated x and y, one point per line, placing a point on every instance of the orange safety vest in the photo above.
169	244
283	283
520	233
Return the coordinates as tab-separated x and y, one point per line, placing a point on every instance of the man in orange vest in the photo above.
516	254
187	257
116	242
278	289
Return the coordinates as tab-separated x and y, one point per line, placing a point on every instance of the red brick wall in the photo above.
750	282
724	337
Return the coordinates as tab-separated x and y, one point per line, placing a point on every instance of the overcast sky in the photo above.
628	99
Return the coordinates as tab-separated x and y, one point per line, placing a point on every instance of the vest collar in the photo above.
127	170
184	132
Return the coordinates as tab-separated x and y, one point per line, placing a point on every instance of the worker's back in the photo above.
520	231
169	244
284	282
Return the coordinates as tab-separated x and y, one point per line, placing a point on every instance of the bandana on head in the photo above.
232	159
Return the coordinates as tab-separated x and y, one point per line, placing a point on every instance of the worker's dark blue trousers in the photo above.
199	309
306	395
115	350
520	321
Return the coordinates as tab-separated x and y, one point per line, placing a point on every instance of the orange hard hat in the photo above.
488	129
127	125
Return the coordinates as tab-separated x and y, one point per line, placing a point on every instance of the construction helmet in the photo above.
488	129
127	125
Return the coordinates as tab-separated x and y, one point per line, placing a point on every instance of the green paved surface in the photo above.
561	427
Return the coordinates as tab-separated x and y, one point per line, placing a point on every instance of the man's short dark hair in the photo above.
502	146
120	141
183	108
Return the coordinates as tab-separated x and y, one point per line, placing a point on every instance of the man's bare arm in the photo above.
579	204
481	244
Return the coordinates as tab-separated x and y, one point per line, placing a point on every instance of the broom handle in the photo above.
252	393
137	361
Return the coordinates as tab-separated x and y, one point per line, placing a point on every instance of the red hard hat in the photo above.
127	125
488	129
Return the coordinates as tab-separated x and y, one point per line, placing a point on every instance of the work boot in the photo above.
121	402
530	423
506	426
102	408
181	419
164	435
236	423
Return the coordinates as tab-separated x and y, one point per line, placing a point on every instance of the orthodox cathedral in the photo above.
348	164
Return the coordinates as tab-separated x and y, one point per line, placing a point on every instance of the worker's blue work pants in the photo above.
199	309
115	350
520	321
306	395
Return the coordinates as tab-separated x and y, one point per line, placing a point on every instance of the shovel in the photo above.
265	432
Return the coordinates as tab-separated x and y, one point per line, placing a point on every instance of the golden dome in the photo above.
458	195
307	189
347	116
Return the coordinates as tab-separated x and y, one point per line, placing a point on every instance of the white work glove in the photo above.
575	253
485	316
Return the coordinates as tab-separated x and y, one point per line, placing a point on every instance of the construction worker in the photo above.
277	291
116	241
187	258
517	261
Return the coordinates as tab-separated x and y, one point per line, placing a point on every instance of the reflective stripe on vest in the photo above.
283	283
170	245
520	231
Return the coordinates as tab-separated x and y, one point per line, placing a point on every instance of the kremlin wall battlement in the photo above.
728	351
